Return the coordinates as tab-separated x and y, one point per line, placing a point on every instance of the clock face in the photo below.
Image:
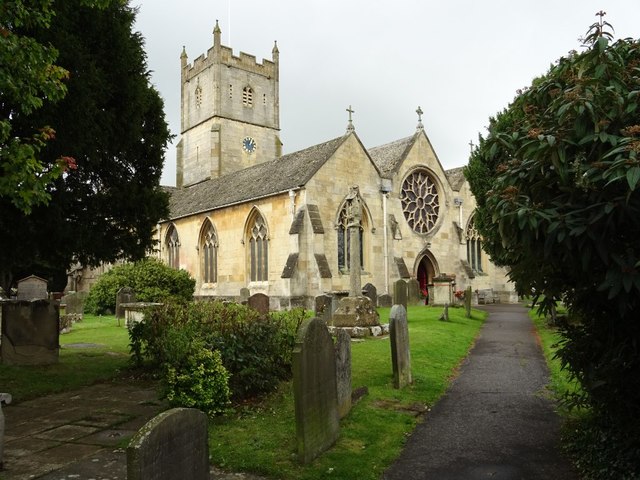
249	145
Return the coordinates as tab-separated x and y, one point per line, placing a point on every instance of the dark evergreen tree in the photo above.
111	128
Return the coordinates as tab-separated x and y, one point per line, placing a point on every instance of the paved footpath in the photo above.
80	434
495	422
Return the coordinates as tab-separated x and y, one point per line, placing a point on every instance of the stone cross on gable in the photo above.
350	127
471	145
420	112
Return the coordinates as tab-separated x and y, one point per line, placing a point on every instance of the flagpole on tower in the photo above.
229	21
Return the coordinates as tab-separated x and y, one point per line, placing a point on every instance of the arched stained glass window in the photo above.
258	249
474	247
209	253
172	244
344	247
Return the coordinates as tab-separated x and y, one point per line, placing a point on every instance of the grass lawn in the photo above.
262	438
560	382
76	366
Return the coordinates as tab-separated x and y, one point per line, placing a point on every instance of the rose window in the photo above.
420	204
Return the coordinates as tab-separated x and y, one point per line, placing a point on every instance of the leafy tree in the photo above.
557	181
28	77
111	122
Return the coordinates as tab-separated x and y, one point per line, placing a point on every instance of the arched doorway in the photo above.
426	272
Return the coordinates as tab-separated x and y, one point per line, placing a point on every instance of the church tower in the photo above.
230	113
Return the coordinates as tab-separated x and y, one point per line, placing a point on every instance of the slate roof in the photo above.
389	156
286	173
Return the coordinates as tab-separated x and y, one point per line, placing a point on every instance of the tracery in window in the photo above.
172	243
209	253
258	249
420	201
344	244
474	246
247	97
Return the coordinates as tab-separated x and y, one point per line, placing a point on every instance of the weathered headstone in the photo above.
371	292
172	445
444	316
6	398
259	302
314	387
343	372
74	303
385	300
245	293
124	295
413	291
400	293
30	332
32	288
324	307
467	302
400	354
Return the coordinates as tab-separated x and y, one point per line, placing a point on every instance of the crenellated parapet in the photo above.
224	56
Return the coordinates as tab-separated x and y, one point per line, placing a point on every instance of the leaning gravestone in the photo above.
259	302
400	354
467	302
32	288
172	445
400	293
124	295
314	388
30	332
385	300
324	307
413	291
371	292
343	372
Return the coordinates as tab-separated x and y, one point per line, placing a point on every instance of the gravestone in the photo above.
32	288
467	302
172	445
314	388
6	398
124	295
444	316
400	354
245	293
385	300
413	291
371	292
71	310
259	302
30	332
400	293
343	372
324	307
355	312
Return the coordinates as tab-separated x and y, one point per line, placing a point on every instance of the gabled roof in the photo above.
286	173
388	157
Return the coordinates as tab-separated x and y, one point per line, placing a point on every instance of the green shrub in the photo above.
601	451
151	280
198	380
256	351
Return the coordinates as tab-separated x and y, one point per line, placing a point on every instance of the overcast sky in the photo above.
461	61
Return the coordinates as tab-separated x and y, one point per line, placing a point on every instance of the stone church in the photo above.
244	216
